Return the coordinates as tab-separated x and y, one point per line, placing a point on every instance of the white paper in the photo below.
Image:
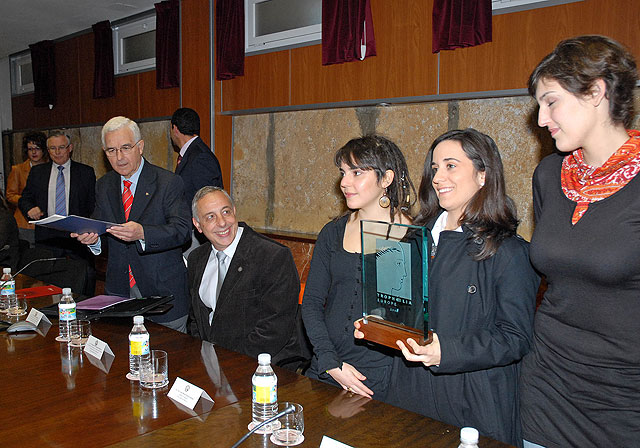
35	316
328	442
186	393
95	347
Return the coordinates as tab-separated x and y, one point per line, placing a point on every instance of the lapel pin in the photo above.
147	193
240	269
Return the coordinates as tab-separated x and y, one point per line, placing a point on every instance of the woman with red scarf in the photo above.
580	385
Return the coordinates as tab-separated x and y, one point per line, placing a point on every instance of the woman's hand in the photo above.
429	355
350	379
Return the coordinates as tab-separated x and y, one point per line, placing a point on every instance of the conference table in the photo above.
53	396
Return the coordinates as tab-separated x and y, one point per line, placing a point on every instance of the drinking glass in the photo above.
80	332
291	426
155	372
16	306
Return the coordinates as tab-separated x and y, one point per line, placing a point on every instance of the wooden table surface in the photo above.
53	396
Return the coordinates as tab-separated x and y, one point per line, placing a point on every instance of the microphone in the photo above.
288	410
5	247
27	265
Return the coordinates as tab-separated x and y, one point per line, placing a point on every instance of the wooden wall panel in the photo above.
23	113
156	102
196	76
521	40
265	83
404	65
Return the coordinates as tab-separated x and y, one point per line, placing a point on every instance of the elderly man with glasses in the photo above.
148	204
63	187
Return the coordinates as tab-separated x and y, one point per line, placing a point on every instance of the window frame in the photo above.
16	62
298	37
127	29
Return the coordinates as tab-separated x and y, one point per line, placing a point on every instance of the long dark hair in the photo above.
377	153
491	214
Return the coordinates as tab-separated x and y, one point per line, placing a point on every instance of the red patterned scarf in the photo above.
584	184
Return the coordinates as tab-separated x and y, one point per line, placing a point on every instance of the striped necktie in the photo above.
61	198
127	201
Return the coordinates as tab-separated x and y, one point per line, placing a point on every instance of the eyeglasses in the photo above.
58	148
125	150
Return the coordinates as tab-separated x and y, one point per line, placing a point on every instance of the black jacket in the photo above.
483	313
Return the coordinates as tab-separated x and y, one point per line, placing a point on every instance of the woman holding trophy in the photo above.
482	292
376	186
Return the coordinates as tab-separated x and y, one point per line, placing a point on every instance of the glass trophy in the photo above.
394	283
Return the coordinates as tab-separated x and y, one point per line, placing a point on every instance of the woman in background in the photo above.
482	292
376	186
581	383
33	146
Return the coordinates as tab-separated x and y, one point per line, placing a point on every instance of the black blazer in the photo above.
199	167
81	195
159	206
257	311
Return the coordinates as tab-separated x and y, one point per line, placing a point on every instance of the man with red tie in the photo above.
145	256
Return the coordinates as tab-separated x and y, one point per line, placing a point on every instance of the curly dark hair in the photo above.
577	63
34	137
491	214
378	153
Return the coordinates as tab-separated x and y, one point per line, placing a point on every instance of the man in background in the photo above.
63	187
147	202
244	286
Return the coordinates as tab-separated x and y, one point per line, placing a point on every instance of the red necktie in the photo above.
179	160
127	201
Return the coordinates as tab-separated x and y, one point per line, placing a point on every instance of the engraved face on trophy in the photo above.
394	282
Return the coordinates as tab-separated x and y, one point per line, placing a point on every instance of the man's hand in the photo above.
129	231
35	213
86	238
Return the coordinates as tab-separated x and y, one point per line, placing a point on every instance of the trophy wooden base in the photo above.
387	333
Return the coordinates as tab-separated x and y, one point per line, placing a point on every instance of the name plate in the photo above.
42	323
96	348
187	394
328	442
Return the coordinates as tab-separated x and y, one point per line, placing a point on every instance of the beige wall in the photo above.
284	179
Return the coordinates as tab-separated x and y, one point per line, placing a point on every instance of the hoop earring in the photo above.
384	200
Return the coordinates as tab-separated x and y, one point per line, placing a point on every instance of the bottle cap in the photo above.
138	320
6	270
66	291
469	435
264	359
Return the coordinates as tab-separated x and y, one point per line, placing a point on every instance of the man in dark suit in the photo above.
197	165
244	286
64	187
148	203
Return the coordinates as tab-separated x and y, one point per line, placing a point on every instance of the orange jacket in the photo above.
15	184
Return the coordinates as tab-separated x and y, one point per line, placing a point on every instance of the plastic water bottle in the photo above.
66	315
468	438
265	392
8	289
138	346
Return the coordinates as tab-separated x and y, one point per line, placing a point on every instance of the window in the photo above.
279	24
21	74
134	45
506	6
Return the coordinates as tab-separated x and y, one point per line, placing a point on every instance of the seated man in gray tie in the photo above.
244	286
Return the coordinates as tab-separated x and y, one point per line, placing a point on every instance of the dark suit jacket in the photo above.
159	206
81	196
257	311
199	167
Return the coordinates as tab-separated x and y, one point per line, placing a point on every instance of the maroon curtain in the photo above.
104	81
460	23
167	44
229	39
346	26
43	62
